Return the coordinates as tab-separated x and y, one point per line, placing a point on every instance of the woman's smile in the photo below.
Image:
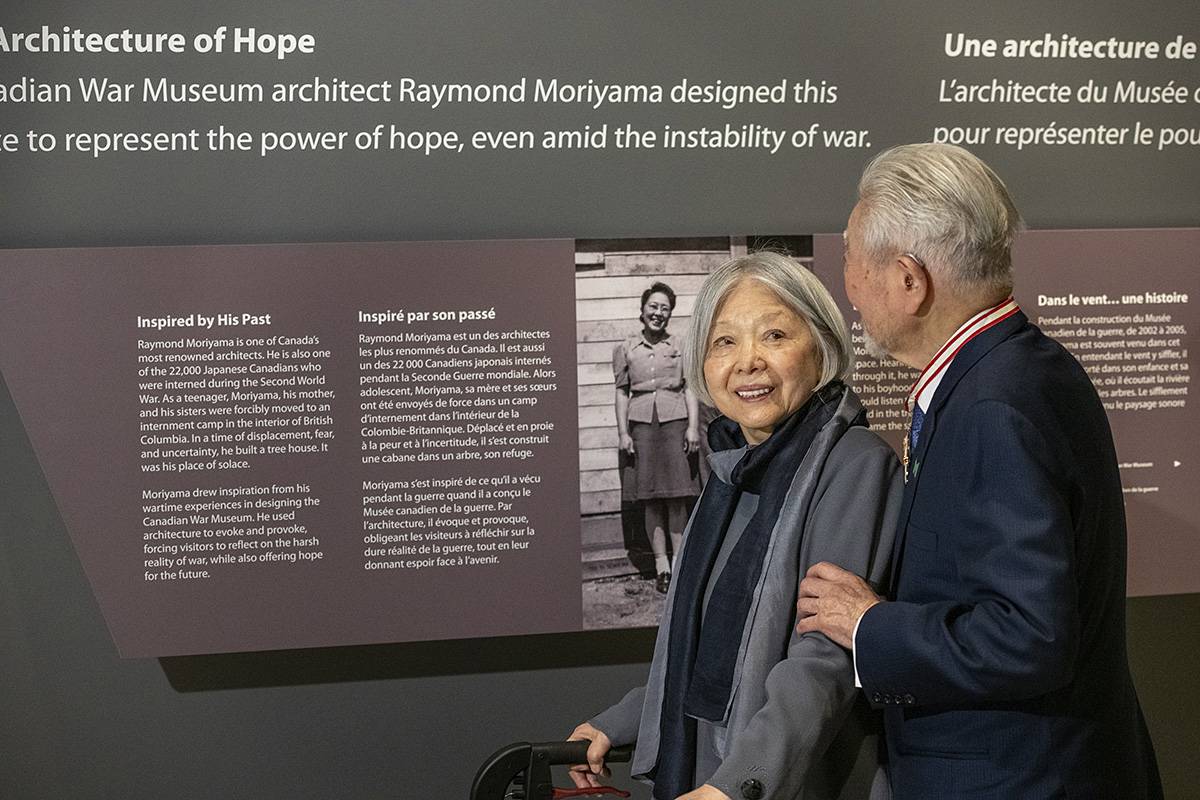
754	393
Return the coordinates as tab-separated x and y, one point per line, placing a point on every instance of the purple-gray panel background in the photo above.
69	350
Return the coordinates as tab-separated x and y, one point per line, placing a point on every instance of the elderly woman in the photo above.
737	704
657	425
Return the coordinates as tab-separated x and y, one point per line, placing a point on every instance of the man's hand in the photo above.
705	792
587	776
832	601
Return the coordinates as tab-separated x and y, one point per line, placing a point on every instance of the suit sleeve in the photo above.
810	693
989	562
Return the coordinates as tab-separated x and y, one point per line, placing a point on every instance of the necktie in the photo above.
910	441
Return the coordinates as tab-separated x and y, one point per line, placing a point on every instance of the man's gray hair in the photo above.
797	287
945	206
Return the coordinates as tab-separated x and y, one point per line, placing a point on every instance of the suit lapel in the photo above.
966	358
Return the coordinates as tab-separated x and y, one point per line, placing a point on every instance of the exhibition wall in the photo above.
308	462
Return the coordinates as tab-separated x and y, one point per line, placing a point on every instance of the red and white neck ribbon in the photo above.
931	376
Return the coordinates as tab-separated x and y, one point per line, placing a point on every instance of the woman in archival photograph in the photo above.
658	421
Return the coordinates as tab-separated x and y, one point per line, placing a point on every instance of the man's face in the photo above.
867	289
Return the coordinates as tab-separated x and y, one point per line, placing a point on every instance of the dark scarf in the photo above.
701	659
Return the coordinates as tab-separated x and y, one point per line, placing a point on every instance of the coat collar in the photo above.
969	355
967	358
931	377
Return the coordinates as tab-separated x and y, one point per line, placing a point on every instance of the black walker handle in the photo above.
528	765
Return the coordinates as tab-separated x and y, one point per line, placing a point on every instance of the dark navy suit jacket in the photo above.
1000	659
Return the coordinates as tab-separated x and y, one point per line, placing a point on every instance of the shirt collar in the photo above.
641	340
931	377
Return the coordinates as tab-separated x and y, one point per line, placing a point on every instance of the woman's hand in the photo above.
691	439
624	440
588	775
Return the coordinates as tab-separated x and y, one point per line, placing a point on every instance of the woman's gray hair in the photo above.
797	287
945	206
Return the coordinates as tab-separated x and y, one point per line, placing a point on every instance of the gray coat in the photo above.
792	724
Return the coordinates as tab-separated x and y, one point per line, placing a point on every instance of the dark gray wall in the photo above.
414	721
886	59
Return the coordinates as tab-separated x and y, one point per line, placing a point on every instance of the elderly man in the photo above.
999	656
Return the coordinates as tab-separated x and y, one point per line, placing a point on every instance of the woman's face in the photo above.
656	313
761	362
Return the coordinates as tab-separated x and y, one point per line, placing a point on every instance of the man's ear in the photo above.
916	288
